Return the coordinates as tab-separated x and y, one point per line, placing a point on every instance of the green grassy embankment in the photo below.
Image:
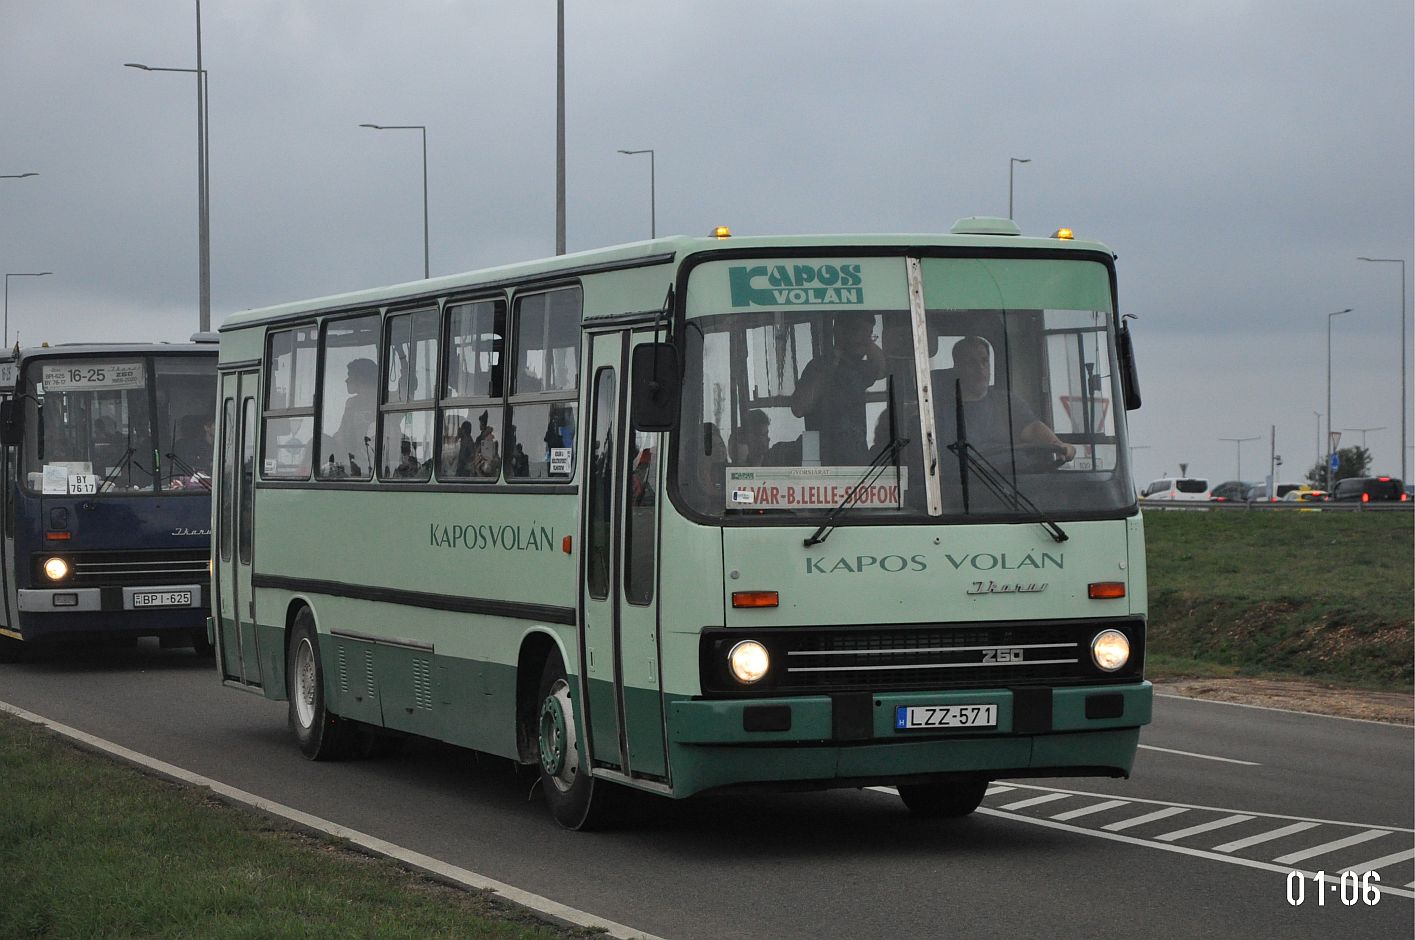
93	848
1319	595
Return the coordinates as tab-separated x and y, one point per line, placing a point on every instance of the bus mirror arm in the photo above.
1129	376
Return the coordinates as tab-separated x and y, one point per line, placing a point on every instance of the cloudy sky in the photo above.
1237	156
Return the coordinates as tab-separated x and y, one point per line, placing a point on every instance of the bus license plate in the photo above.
162	599
913	717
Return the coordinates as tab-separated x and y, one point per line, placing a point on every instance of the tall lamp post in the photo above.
1330	317
1238	473
1401	262
1012	165
1363	431
15	176
7	296
203	193
1319	435
560	127
653	199
423	130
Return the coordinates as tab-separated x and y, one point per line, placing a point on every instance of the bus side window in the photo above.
545	386
289	403
409	389
471	407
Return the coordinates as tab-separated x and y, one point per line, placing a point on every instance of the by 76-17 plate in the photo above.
923	717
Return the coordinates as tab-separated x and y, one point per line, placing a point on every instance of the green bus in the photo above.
699	513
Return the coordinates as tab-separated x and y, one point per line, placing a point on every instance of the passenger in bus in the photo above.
993	418
193	447
485	458
830	394
351	450
750	445
409	467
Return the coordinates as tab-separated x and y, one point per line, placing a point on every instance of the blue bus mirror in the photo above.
656	389
12	426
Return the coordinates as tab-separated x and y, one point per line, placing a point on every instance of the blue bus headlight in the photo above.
748	661
1110	650
56	569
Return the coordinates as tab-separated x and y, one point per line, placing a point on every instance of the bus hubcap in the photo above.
558	757
304	683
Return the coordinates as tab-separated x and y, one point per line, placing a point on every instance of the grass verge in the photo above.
94	848
1320	595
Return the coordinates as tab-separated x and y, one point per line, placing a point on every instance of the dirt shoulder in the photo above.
1297	695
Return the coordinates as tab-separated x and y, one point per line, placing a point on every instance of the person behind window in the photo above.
830	395
193	446
486	452
352	447
993	418
751	443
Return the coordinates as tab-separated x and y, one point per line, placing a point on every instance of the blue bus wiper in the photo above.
189	470
116	469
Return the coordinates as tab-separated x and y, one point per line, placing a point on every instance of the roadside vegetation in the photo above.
1317	595
94	848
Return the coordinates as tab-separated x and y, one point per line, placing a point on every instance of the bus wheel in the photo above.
576	800
321	734
943	800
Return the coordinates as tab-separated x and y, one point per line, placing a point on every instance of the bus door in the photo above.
235	608
619	639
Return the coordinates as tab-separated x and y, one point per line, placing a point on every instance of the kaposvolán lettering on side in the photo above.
506	538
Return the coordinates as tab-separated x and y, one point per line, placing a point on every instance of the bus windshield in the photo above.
120	425
785	410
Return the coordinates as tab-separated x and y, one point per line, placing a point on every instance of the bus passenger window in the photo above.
289	404
349	398
408	392
541	421
471	408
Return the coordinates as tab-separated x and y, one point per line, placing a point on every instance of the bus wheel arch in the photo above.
320	733
536	649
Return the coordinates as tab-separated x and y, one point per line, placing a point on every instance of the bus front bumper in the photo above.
90	600
850	740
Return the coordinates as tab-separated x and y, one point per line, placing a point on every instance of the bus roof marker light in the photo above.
756	599
1063	233
721	231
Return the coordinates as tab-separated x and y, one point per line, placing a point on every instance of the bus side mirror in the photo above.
12	425
1129	377
656	389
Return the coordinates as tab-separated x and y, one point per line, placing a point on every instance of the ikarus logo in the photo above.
794	285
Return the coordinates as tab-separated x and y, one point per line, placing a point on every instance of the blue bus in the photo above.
105	493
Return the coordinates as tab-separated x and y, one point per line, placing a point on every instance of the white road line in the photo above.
1226	760
1287	711
1376	864
1034	801
1203	827
1265	837
417	860
1088	810
995	789
1357	839
1158	814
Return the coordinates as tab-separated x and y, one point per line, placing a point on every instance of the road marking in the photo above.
1203	827
1226	760
996	789
1357	839
1036	800
408	857
1286	711
1264	837
1088	810
1158	814
1376	864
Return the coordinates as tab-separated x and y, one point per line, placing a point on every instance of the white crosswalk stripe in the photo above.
1328	847
1157	815
1088	810
1264	837
1202	827
1035	801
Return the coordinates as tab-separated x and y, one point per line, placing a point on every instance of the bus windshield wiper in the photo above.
992	478
189	470
116	469
888	455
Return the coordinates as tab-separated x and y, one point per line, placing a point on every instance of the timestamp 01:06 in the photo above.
1352	888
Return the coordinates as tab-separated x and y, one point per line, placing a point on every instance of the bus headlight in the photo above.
1110	650
748	661
56	569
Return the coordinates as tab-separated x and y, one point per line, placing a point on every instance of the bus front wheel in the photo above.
576	800
943	800
321	734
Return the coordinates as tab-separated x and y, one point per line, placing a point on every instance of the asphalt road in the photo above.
1225	801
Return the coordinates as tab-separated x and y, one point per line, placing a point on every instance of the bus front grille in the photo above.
811	660
122	569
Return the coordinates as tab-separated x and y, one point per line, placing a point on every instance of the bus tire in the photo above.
576	799
943	800
321	734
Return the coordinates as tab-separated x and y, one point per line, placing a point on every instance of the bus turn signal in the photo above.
755	599
1105	590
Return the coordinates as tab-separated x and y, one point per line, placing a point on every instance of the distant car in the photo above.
1231	491
1257	493
1177	488
1305	496
1370	490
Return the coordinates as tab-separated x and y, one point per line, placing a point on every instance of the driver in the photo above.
993	418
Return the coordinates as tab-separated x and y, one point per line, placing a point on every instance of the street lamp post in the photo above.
203	175
1238	473
560	127
423	130
7	296
653	199
1012	165
1401	262
15	176
1330	317
1362	432
1319	435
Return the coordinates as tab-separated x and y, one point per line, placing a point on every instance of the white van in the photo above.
1177	488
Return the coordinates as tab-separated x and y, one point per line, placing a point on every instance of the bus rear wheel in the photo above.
321	734
575	799
943	800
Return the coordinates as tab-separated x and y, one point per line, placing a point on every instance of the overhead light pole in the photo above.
560	127
6	342
1330	448
1319	435
1401	262
1362	432
653	198
203	192
16	176
423	130
1012	165
1238	473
